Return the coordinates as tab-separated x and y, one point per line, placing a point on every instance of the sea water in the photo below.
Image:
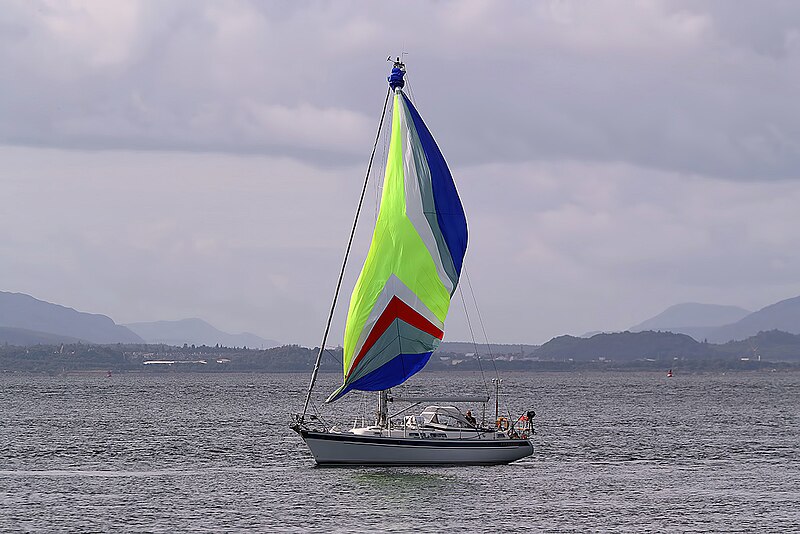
634	452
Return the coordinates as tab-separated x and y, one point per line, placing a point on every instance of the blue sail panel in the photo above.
449	212
392	373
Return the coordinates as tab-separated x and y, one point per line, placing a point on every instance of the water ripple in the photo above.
212	453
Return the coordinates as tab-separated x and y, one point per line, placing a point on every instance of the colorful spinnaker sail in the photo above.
400	301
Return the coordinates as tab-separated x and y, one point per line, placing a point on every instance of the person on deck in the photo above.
471	420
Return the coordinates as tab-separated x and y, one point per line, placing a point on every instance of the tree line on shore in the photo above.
619	351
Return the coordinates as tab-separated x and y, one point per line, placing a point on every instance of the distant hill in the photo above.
23	338
773	345
690	318
783	315
595	332
21	311
623	346
720	324
197	332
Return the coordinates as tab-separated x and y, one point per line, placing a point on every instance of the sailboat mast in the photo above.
383	409
315	372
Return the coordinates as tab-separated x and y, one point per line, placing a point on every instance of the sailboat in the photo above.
396	318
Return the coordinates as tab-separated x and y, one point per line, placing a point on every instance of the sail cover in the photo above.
400	301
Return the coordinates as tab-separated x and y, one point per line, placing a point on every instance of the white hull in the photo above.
330	448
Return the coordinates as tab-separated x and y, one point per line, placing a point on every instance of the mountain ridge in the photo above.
195	331
22	311
692	315
783	315
24	337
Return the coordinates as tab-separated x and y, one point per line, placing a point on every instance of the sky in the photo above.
165	160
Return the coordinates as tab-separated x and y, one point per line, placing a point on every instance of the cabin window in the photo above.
450	421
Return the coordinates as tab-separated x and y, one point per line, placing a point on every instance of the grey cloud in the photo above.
685	87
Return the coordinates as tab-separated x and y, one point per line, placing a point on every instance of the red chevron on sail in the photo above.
396	309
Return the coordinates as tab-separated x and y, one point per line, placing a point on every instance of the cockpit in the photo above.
444	417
